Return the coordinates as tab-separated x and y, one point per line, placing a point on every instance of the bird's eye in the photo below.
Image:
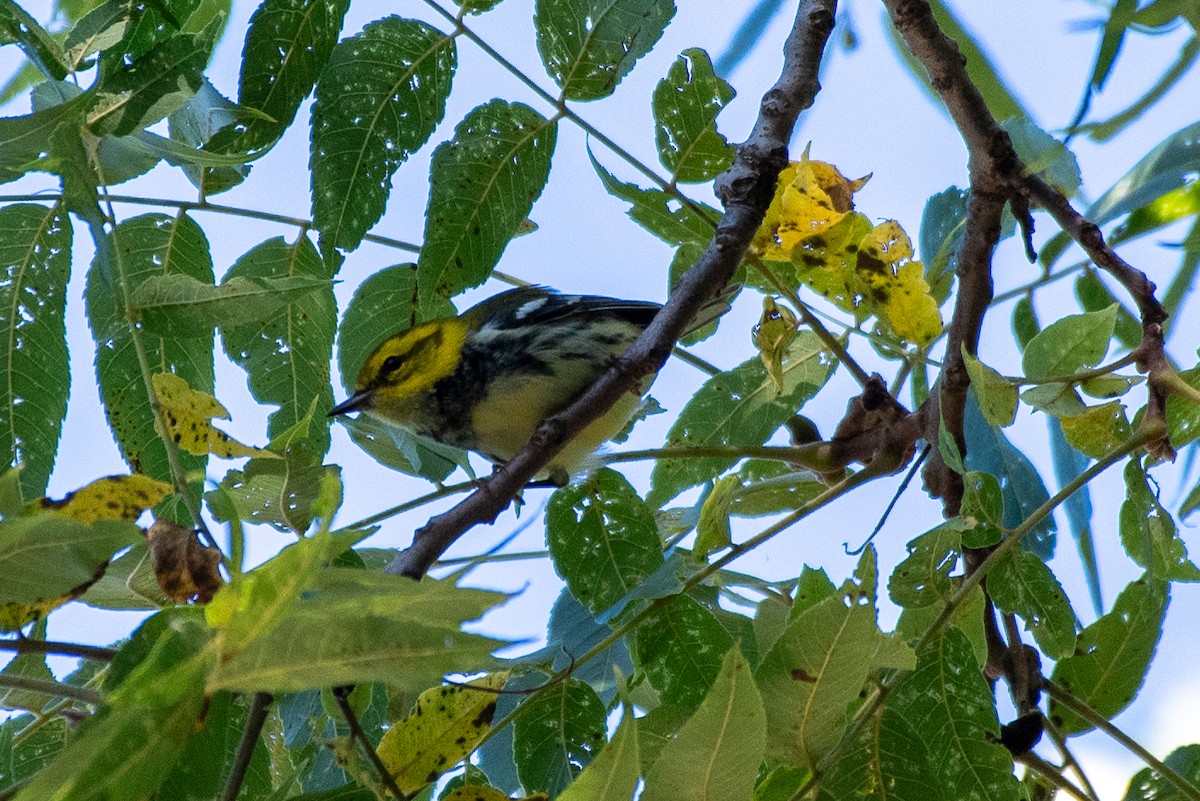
391	364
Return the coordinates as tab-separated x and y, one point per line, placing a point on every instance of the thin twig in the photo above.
1052	774
255	719
746	190
1061	696
342	696
27	645
1069	760
49	688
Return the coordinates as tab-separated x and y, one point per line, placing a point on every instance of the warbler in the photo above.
484	380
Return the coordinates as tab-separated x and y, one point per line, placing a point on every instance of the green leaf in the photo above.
1070	344
400	449
943	223
128	583
1150	785
889	760
949	695
1099	430
17	26
374	627
287	45
718	751
588	46
1183	414
739	407
1149	534
1022	584
1168	166
179	305
686	104
712	528
153	86
767	487
278	492
1024	322
128	748
1044	156
660	212
103	27
377	102
997	396
145	246
613	775
483	183
1095	296
560	730
26	666
818	667
286	354
602	538
1112	655
202	768
923	578
680	646
25	141
35	261
192	127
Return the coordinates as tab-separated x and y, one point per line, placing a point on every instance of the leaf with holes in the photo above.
948	694
560	730
35	261
602	538
153	244
483	183
588	46
680	646
378	101
738	407
286	354
686	104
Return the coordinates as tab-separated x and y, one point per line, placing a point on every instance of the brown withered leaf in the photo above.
186	569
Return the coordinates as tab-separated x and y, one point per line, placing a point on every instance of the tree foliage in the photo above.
317	674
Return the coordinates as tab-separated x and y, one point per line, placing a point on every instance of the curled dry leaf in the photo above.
186	570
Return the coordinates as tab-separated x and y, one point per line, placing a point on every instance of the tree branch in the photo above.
998	176
259	707
26	645
746	190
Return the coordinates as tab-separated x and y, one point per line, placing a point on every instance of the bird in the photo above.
485	379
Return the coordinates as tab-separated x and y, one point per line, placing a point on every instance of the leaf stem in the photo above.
216	208
440	492
1093	717
1082	375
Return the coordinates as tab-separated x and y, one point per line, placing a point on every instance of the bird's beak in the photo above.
355	403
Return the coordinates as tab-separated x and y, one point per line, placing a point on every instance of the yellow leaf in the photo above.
773	333
826	262
894	284
445	726
475	793
811	196
111	498
17	616
188	416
